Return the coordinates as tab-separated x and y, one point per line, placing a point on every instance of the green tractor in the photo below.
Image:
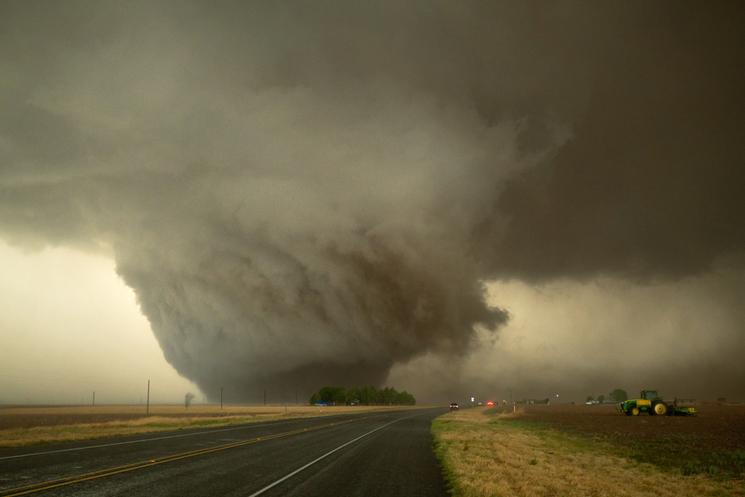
653	404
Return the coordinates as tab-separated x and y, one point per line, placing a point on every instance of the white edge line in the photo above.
324	456
165	437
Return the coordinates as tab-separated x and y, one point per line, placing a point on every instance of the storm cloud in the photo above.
308	193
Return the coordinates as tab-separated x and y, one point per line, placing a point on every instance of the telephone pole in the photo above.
147	409
220	398
265	396
93	402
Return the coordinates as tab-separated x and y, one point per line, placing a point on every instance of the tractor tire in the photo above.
660	409
635	411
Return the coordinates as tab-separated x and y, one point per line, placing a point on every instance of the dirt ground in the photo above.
718	426
712	442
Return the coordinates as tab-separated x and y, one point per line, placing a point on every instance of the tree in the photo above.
601	398
354	396
367	395
332	395
619	395
405	399
590	398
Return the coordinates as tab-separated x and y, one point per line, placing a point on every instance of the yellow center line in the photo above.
102	473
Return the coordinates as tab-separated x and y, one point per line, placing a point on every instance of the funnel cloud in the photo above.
309	194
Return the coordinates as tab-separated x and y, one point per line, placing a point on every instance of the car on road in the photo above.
454	406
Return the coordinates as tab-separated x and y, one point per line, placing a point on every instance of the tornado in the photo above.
303	195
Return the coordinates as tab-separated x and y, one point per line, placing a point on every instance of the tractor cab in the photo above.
649	395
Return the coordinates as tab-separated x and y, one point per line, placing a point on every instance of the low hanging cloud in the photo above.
302	195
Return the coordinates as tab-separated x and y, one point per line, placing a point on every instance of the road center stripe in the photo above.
245	426
324	456
63	482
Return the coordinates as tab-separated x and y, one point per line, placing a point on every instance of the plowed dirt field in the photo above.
712	442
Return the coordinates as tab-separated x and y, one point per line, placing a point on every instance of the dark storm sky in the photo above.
303	193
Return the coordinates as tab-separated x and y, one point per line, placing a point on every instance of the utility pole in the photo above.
514	406
220	398
93	402
147	409
265	396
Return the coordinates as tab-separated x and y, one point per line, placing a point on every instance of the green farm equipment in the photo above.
653	404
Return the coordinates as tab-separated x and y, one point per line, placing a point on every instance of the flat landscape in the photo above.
712	442
386	452
592	450
26	425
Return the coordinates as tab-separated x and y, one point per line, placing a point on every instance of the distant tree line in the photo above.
363	396
617	395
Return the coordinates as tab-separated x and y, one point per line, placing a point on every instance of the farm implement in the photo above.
653	404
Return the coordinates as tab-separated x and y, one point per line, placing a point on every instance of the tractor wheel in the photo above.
660	409
634	411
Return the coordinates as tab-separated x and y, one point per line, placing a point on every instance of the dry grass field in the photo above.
584	451
32	425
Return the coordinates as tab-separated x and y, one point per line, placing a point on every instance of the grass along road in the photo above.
493	454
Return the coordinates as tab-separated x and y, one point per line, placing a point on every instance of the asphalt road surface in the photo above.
373	454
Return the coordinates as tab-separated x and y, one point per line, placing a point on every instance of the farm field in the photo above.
26	425
592	450
712	442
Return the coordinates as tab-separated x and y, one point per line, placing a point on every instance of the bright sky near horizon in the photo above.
70	326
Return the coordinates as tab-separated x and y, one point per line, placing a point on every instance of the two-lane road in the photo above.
369	454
